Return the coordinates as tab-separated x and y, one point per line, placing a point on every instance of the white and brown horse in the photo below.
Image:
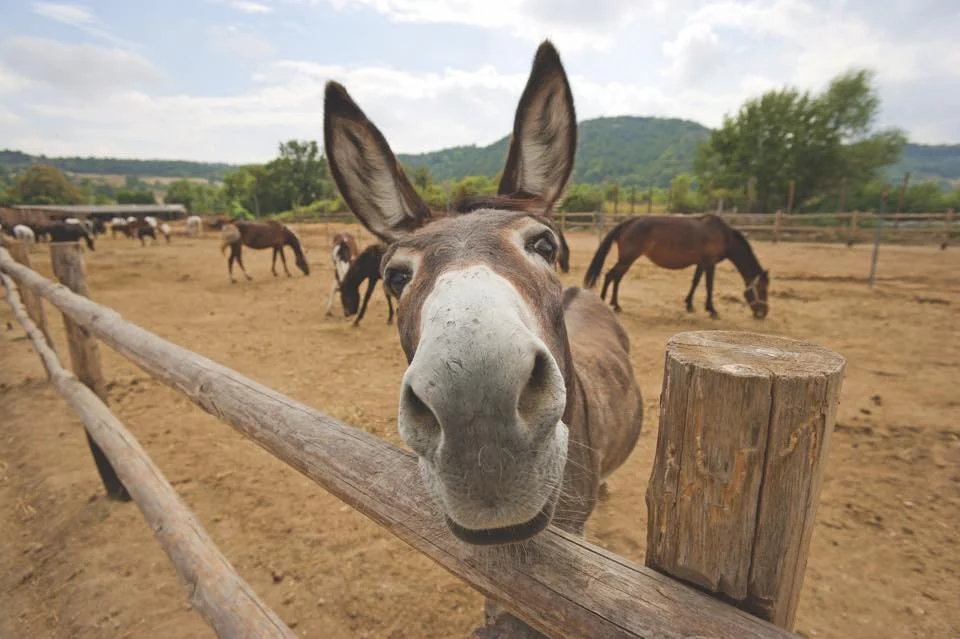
519	397
343	252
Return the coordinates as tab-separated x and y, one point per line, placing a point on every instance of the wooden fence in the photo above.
732	506
906	228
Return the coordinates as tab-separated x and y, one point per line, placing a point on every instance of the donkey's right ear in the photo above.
366	171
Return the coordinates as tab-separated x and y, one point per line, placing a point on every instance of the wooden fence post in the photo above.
776	225
792	190
85	354
745	425
563	221
31	301
853	228
947	226
650	201
879	220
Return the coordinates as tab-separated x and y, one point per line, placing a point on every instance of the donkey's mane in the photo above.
520	202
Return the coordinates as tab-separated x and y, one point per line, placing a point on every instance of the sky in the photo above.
227	80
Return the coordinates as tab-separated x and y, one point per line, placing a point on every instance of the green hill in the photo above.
629	150
16	160
939	162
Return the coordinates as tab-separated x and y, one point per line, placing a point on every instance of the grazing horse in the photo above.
366	266
261	235
164	229
519	398
676	242
343	252
24	233
64	232
145	230
194	225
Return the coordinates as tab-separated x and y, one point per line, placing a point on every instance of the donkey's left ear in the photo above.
544	139
366	171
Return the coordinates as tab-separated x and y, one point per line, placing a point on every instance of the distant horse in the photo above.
194	225
63	232
120	225
676	242
261	235
164	229
365	267
144	231
343	253
24	234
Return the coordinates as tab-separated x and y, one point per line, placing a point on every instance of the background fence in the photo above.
733	516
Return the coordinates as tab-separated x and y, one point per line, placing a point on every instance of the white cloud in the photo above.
247	6
695	54
234	40
572	24
74	69
80	17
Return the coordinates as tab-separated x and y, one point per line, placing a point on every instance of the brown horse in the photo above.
366	266
676	242
261	235
343	253
519	397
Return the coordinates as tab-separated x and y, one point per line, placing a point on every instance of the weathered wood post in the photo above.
85	353
947	225
745	425
791	194
879	220
563	221
853	228
650	201
31	301
776	225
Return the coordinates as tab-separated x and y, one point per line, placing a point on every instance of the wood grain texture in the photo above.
68	266
745	423
216	591
33	303
562	585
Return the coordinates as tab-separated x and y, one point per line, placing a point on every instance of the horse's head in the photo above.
756	295
349	298
483	399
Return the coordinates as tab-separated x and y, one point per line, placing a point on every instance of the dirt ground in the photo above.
885	556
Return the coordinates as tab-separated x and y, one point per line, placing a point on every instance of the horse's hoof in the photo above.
714	315
689	309
617	309
354	325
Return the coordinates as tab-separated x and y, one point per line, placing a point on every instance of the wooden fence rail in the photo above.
217	592
562	585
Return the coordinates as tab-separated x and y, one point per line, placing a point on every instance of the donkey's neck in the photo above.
743	258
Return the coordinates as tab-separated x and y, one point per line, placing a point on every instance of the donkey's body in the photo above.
261	235
677	242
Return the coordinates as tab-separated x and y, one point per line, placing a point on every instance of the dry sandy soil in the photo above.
885	557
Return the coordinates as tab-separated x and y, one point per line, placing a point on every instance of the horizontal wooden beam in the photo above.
217	592
560	584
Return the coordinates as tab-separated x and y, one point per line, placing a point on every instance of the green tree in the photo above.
815	140
138	196
198	198
44	184
305	169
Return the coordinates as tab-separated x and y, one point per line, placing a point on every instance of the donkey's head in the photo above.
483	400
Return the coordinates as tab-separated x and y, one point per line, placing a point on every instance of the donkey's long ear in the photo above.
366	171
544	138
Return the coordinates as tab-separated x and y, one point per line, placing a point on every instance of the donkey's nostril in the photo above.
537	401
417	410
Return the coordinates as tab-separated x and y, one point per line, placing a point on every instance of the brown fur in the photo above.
677	242
261	235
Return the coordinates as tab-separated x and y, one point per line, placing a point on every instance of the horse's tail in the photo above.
596	264
229	235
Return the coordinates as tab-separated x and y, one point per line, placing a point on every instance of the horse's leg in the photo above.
372	284
389	304
616	273
283	258
238	249
710	309
333	291
273	264
230	266
693	287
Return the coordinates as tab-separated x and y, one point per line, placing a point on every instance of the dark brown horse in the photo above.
365	267
676	242
261	235
343	253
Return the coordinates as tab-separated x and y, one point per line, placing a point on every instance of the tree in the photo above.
816	140
44	184
306	170
139	196
198	198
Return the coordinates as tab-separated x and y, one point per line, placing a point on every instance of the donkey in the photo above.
365	267
343	252
519	397
261	235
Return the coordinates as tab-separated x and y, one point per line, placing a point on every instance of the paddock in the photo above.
884	558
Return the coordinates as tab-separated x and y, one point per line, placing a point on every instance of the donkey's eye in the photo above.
397	280
544	246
